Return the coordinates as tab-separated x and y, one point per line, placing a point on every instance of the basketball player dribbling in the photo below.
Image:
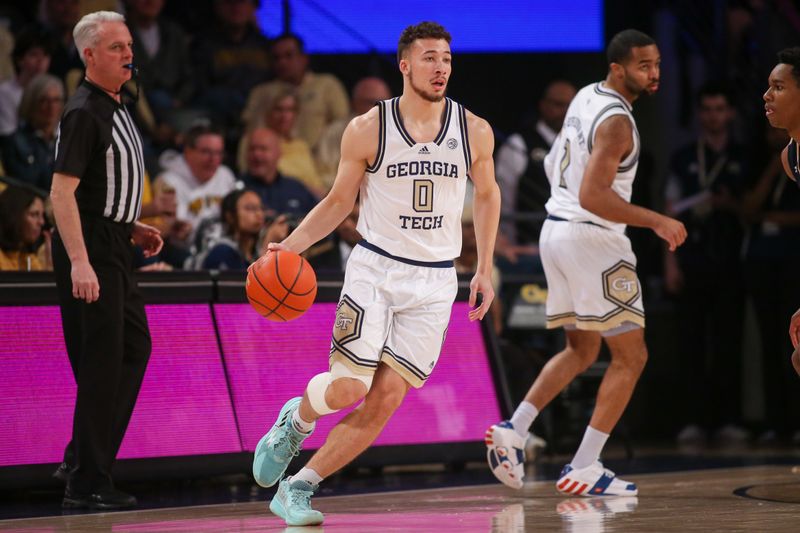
593	289
782	107
407	161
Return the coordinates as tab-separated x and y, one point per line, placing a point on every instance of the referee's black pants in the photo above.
108	343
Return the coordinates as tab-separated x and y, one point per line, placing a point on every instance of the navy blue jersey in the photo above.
793	162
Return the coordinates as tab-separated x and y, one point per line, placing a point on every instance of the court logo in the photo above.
620	284
349	317
452	143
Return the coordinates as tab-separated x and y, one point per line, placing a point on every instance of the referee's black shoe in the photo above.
62	472
105	499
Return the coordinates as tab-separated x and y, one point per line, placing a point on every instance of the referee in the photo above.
97	197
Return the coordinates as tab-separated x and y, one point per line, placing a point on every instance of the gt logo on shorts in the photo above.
349	316
620	284
343	322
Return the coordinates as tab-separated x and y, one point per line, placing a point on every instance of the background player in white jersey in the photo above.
407	159
593	290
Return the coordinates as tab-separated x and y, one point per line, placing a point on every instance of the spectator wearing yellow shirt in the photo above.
366	93
322	97
24	244
296	159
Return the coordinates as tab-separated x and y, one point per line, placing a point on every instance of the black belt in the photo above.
381	251
88	218
559	219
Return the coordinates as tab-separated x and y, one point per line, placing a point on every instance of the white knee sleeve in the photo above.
340	370
316	393
319	385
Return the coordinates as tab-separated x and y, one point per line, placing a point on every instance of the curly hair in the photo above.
423	30
791	56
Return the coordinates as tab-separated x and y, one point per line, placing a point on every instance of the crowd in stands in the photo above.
242	140
241	137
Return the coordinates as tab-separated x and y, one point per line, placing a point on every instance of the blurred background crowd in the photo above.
242	133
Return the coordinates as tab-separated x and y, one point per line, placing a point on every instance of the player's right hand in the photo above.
672	231
275	246
84	282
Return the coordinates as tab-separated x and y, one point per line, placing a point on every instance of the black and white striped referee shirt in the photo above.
98	143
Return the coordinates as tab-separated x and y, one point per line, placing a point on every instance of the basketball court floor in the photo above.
749	491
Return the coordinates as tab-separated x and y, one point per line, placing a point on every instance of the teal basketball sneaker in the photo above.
278	447
292	502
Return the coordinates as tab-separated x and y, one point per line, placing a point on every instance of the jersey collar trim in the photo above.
599	89
398	120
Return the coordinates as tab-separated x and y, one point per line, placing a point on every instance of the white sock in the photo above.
523	417
590	448
301	425
308	475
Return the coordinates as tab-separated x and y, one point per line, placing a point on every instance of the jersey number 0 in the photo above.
423	196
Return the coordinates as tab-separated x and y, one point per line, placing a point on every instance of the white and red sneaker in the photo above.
594	480
505	452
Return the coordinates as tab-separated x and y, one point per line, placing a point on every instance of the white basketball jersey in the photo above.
566	162
413	194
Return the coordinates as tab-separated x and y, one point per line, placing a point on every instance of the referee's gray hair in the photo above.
87	31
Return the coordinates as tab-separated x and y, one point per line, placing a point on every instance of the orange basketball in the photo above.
281	285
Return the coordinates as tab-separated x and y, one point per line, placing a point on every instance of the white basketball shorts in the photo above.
591	277
393	312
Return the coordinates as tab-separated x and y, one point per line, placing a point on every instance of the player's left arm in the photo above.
485	210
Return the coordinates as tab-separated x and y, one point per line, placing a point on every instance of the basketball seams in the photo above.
297	276
266	290
278	272
279	309
271	311
303	264
281	301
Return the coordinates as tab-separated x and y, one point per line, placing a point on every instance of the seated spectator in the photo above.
161	52
31	57
467	262
296	159
28	153
282	194
366	93
332	254
243	227
198	179
158	210
230	60
322	97
24	245
58	18
523	182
